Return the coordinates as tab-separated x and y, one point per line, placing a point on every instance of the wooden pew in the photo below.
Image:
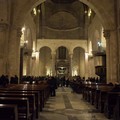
31	99
116	114
22	104
99	95
8	112
27	87
36	93
110	103
103	96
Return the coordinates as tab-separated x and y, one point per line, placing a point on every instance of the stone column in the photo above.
37	62
71	60
111	58
14	51
114	54
107	36
53	64
3	48
28	65
86	65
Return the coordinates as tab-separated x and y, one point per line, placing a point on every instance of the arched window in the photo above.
62	53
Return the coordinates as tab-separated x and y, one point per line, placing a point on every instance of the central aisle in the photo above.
68	105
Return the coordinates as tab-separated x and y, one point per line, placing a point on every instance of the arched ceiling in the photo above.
104	9
63	1
61	19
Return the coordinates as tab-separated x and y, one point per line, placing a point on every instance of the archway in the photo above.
101	11
96	6
78	62
45	61
62	61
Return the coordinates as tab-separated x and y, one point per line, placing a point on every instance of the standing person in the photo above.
14	80
52	83
67	82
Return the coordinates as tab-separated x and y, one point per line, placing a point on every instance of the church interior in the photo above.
59	59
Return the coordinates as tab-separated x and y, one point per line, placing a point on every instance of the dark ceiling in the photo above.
63	1
61	19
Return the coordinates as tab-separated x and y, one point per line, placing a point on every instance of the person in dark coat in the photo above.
14	80
3	81
53	84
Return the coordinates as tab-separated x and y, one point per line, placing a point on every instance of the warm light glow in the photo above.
37	54
89	82
90	49
86	56
75	73
85	11
89	12
49	72
23	29
26	41
34	11
39	10
33	55
99	44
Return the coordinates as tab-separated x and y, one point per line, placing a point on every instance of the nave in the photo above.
67	105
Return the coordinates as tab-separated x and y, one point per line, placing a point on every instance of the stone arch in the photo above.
99	10
45	47
101	13
67	50
78	62
45	60
78	46
90	47
61	46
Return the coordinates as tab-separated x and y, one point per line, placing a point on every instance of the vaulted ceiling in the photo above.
61	19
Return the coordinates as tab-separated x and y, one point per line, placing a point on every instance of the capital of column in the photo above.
18	29
3	27
53	53
19	32
106	34
71	55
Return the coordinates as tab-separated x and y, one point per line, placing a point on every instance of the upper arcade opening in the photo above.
62	19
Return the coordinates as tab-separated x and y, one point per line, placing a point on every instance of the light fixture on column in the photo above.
35	54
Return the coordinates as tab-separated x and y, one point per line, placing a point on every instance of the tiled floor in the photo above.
68	105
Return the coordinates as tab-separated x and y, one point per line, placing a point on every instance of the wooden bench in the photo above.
103	97
36	93
99	94
116	114
39	88
42	89
31	99
110	103
8	112
22	104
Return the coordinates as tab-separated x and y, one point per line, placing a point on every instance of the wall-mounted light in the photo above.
35	54
89	12
99	44
38	10
34	11
23	29
90	55
86	56
26	42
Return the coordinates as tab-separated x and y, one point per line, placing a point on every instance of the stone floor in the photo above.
68	105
